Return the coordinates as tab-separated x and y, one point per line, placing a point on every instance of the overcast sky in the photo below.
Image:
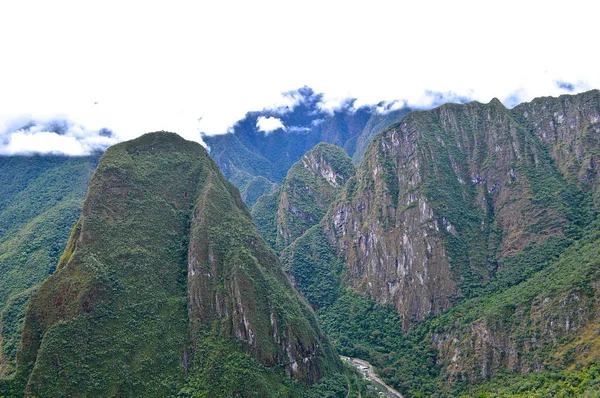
136	67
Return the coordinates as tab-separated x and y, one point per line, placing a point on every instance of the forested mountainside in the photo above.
255	160
309	188
40	200
165	287
465	248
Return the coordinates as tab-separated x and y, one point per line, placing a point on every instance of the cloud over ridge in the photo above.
269	124
56	136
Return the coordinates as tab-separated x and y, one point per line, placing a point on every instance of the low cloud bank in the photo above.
297	112
55	136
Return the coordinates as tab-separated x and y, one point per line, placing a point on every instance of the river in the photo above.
366	369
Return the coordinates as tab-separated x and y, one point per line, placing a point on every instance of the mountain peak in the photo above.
495	102
163	273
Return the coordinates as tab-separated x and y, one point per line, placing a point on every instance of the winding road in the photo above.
366	369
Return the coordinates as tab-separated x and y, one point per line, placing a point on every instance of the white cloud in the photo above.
47	136
390	106
269	124
44	142
102	65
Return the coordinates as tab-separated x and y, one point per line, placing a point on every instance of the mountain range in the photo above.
456	249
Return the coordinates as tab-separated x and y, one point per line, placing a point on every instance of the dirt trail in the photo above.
367	370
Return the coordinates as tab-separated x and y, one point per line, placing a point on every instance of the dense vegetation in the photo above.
124	315
304	197
40	200
564	287
508	197
357	325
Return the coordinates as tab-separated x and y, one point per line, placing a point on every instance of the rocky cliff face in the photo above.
569	127
443	195
305	195
163	273
475	222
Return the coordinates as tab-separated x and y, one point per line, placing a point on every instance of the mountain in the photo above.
165	288
40	200
442	258
310	186
459	257
248	155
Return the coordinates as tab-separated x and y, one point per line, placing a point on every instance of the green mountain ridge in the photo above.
309	188
40	200
249	157
166	288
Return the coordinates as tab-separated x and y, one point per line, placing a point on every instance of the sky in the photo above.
199	66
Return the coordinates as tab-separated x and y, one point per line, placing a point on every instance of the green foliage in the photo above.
359	327
264	213
119	316
11	319
335	157
573	271
40	200
221	369
251	187
304	197
520	267
314	266
582	383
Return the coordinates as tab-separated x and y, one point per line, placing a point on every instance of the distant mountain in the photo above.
166	288
248	153
475	224
40	200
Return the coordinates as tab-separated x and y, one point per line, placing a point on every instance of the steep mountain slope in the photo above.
247	152
441	197
307	191
40	200
569	127
165	287
450	206
251	187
